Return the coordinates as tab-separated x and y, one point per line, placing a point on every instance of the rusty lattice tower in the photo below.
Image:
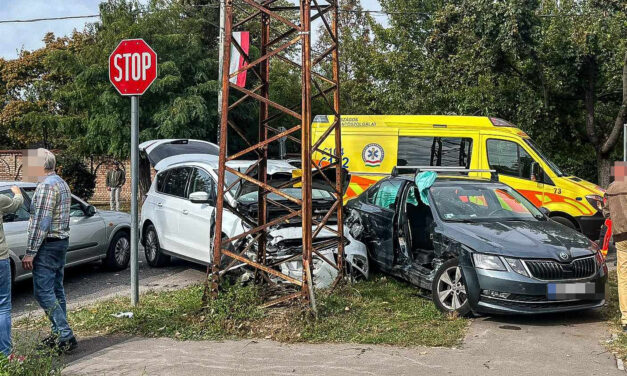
283	33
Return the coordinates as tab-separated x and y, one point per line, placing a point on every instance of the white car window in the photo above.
201	182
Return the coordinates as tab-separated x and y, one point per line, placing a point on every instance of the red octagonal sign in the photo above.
132	67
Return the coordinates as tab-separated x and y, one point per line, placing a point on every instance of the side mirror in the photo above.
544	211
199	197
537	174
90	211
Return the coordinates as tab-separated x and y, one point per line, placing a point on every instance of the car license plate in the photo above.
568	291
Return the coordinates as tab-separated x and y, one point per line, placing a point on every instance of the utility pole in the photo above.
220	61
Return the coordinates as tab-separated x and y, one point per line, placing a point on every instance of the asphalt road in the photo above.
86	282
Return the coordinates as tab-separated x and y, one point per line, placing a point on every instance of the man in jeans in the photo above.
48	234
115	180
616	210
7	205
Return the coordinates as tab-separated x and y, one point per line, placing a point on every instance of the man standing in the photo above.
115	180
48	237
616	210
7	205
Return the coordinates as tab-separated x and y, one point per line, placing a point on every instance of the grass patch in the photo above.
29	360
379	311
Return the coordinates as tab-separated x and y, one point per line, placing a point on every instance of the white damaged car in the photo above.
177	217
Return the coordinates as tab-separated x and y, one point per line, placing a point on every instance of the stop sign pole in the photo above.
132	69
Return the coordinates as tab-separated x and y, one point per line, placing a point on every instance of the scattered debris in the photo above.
619	364
119	315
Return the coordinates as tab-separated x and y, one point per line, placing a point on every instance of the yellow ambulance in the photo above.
373	145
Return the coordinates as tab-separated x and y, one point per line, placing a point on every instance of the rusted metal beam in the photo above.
264	185
256	235
267	101
265	57
263	143
335	63
264	226
324	54
262	175
242	99
305	21
282	299
272	14
217	244
292	31
266	269
250	16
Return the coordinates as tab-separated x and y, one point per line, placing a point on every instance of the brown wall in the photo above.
11	164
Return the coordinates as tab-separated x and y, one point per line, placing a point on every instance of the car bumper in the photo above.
590	225
527	295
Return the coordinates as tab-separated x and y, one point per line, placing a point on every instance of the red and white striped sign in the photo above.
237	60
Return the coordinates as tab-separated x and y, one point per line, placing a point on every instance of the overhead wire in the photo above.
377	12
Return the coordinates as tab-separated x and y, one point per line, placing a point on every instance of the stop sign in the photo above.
132	67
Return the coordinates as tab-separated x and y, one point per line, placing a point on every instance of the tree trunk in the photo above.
603	169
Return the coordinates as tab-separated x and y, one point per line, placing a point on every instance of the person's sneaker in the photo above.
49	342
68	345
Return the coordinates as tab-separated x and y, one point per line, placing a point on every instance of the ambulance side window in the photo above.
509	158
434	151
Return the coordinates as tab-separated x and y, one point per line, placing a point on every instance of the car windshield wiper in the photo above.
461	220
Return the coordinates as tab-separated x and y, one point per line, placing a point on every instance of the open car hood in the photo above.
281	172
166	152
158	150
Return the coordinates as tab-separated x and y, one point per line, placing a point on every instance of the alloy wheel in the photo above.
451	290
151	245
122	248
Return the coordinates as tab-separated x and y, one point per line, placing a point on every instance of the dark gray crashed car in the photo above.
479	246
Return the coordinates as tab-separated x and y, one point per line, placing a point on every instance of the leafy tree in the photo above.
552	67
78	176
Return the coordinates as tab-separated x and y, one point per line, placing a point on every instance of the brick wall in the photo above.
101	168
11	167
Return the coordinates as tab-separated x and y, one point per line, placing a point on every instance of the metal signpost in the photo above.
132	69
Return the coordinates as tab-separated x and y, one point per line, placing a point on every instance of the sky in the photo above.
17	36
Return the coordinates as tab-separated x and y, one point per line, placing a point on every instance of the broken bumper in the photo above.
355	253
508	292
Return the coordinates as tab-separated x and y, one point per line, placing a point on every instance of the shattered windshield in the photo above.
316	194
482	203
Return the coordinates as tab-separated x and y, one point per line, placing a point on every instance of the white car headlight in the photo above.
517	266
488	262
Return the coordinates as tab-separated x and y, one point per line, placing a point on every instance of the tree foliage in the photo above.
556	68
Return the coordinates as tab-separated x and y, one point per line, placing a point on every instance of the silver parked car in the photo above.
94	234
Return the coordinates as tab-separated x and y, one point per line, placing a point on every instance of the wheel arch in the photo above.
145	225
116	230
567	216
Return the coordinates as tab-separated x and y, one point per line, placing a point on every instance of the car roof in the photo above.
211	162
444	180
21	184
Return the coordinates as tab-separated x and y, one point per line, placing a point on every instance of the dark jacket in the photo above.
115	178
616	209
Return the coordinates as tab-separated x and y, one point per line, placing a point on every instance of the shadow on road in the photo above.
548	319
89	346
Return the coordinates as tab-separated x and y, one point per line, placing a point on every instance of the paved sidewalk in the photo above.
554	345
